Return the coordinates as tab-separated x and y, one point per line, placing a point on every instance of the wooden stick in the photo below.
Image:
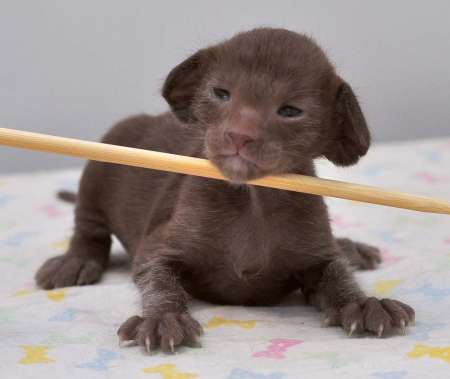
200	167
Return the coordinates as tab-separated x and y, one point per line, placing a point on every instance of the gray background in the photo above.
72	68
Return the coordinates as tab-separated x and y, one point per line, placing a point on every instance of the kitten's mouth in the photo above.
237	168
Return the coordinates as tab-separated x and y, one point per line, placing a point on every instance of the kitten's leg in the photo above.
360	255
165	322
334	290
87	256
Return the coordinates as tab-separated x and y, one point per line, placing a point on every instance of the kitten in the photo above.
265	102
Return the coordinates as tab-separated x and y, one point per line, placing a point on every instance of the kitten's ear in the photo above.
351	139
182	83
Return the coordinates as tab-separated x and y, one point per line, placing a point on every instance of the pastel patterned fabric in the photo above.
71	332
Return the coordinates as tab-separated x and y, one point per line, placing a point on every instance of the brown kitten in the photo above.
267	101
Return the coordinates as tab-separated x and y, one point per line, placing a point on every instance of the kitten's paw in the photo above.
66	270
380	317
167	331
361	256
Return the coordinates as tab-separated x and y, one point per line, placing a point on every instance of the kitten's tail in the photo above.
67	196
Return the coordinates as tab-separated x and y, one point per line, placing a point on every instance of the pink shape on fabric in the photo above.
430	178
277	347
339	222
52	211
388	258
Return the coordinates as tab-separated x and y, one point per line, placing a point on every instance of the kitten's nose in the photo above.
239	140
244	126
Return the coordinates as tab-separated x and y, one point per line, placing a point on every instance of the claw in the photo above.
352	328
380	331
326	322
147	345
126	343
403	326
172	345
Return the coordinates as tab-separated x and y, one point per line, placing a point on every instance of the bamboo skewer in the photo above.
200	167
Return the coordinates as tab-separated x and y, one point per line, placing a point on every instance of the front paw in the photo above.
68	270
166	330
381	317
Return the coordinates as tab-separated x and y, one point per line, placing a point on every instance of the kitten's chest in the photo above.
247	256
254	236
247	249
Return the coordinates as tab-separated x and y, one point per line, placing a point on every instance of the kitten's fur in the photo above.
221	242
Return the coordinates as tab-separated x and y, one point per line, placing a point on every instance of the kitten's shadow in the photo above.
120	263
292	306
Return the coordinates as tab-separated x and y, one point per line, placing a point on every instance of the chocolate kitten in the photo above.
265	102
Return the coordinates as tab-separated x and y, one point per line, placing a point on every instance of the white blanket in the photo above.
71	332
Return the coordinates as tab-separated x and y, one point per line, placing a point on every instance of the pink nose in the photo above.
239	140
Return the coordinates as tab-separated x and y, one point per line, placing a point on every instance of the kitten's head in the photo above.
268	102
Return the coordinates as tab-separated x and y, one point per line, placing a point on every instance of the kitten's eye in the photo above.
289	111
221	94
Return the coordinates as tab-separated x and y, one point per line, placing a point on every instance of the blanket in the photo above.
71	332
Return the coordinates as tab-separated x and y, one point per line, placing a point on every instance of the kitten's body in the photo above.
250	257
265	102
